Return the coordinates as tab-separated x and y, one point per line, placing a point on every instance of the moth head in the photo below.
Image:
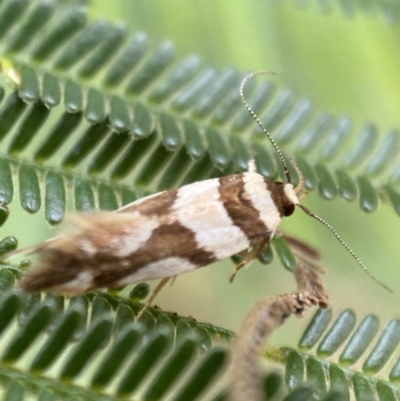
290	193
291	196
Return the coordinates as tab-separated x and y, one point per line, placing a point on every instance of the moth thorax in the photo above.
285	198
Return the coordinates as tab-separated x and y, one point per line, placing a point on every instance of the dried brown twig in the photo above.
266	316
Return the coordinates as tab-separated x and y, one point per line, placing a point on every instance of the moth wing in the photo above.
90	246
101	228
85	223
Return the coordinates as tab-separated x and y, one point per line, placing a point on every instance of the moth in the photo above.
170	233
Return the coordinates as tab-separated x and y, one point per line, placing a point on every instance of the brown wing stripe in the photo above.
240	209
166	241
157	205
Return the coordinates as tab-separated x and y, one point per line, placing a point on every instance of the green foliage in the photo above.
318	361
89	347
94	117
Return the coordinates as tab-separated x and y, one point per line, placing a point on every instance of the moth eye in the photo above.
289	210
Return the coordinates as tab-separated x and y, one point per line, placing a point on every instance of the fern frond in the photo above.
345	358
89	346
93	346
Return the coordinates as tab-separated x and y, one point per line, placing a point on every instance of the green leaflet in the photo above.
318	362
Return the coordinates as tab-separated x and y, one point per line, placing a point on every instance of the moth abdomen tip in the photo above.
55	273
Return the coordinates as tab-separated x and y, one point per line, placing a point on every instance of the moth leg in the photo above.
155	292
302	248
248	257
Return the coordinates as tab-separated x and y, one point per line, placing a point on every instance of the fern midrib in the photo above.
156	108
279	355
69	176
39	382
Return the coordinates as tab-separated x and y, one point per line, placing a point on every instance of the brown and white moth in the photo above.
163	235
170	233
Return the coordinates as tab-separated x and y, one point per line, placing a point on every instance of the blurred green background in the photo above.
346	66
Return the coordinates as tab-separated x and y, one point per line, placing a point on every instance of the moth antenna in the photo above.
258	121
302	181
310	213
